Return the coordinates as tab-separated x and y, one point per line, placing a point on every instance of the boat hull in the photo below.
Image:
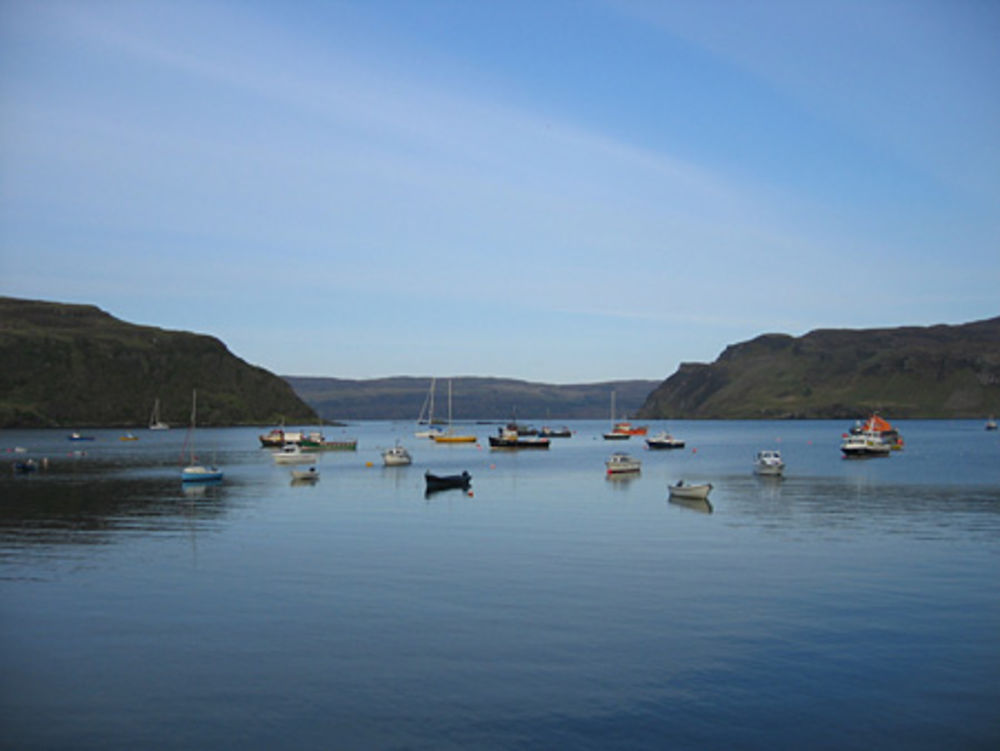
446	438
769	470
518	443
864	448
664	444
864	453
199	473
446	482
626	470
690	492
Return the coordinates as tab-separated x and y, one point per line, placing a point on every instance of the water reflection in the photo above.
201	489
702	506
621	480
833	505
62	510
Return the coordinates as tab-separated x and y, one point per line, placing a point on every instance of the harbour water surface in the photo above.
852	604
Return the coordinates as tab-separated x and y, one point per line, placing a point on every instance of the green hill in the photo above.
76	366
400	398
933	372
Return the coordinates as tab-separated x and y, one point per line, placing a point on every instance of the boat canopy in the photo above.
877	424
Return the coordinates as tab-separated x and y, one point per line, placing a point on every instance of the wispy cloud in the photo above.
148	136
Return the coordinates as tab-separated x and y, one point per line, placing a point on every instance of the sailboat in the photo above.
450	436
154	419
428	400
614	434
195	472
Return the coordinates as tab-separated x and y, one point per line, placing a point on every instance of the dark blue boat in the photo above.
446	482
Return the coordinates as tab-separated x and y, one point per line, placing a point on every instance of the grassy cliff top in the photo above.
76	365
935	372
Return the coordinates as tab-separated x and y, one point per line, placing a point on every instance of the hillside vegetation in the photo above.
932	372
75	366
472	398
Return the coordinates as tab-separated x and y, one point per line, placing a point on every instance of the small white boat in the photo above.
619	463
663	440
397	456
292	453
308	474
768	462
688	492
991	424
155	423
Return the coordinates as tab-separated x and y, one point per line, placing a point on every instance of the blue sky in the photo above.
556	191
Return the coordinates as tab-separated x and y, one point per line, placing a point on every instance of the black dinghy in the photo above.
445	482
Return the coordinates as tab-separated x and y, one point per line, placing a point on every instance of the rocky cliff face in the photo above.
936	371
75	366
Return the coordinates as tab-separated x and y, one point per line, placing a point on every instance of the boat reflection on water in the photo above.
200	489
700	505
621	480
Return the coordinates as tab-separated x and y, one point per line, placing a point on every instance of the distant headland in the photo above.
77	366
909	372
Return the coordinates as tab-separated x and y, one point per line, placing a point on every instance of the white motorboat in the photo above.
663	440
397	456
863	445
768	462
684	491
292	453
619	463
307	474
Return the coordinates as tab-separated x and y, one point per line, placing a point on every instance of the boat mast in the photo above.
428	400
194	414
430	413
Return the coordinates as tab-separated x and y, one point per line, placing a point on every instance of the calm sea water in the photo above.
852	604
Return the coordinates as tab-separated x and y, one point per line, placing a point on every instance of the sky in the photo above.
557	191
